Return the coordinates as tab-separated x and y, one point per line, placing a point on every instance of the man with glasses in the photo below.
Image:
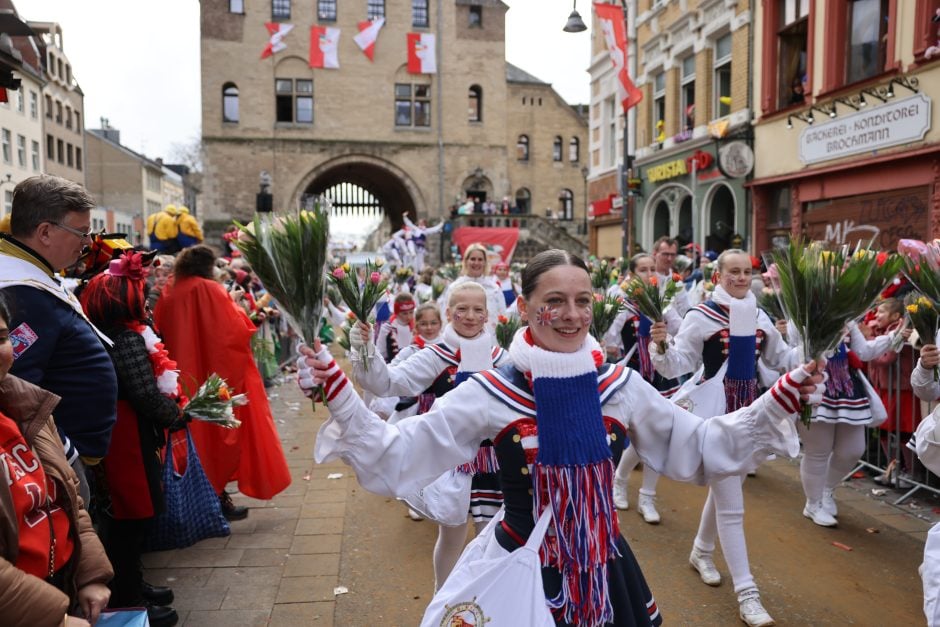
54	344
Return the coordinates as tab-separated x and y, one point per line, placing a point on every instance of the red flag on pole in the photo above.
276	43
368	34
612	26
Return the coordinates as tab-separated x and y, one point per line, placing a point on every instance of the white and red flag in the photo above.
422	53
278	32
610	17
368	34
324	43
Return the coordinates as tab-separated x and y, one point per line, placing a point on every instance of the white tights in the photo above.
447	549
830	452
723	518
628	461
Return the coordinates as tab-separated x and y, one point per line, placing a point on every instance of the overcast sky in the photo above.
138	63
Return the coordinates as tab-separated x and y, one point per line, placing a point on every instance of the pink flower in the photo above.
375	277
339	273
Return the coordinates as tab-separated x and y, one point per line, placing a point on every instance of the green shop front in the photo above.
695	193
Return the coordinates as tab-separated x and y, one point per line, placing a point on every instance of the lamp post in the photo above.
627	171
584	174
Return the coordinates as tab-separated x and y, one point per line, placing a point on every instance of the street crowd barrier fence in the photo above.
886	453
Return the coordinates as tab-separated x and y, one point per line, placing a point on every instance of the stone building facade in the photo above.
417	143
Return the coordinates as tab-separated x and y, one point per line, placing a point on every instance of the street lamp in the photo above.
575	24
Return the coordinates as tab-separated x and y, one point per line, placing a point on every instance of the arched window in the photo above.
229	103
566	204
556	148
574	150
475	104
523	199
522	148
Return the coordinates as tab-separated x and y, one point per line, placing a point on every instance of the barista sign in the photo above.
897	122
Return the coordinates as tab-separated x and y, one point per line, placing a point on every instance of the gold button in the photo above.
525	470
517	438
531	492
613	437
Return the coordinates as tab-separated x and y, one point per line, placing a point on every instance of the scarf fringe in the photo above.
840	379
484	462
739	393
585	538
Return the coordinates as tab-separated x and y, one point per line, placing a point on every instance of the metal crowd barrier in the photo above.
886	451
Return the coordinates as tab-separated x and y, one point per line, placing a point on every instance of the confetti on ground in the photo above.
844	547
877	492
858	475
872	530
295	448
335	475
307	476
338	590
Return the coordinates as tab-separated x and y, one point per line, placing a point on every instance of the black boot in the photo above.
158	595
161	616
230	510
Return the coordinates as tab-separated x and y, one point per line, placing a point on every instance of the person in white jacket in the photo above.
558	419
477	270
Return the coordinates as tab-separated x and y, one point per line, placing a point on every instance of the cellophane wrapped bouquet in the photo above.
605	310
506	327
822	290
649	300
214	402
360	299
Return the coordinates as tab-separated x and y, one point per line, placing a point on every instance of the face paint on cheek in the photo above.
546	315
458	316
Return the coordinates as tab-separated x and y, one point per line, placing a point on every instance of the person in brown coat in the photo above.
53	569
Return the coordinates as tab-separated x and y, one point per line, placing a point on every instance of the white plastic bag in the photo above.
492	586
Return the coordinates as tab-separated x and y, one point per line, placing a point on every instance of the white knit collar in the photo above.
476	353
528	357
742	312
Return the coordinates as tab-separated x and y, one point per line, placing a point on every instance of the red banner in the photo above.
613	28
499	240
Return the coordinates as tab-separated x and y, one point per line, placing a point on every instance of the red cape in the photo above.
205	332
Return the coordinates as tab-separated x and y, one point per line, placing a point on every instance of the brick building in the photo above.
416	143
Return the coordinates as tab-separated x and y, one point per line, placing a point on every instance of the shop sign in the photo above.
735	159
894	123
680	167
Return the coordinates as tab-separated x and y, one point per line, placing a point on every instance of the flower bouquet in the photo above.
769	301
401	276
360	299
437	289
922	266
649	300
823	290
449	271
348	323
922	312
600	275
213	402
506	327
288	254
605	310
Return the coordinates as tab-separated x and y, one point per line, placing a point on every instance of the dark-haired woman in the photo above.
576	412
53	569
206	333
148	394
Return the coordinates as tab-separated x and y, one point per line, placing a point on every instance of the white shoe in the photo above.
621	499
829	503
818	514
751	611
413	515
705	566
646	507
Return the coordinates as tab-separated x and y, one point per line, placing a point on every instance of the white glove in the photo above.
359	346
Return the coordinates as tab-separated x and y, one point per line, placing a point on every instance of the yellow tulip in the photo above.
912	308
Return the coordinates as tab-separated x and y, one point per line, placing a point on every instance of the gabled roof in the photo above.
516	74
144	160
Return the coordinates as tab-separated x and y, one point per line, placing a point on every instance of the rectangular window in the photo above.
60	151
475	17
375	9
35	156
68	118
7	146
304	101
236	6
722	83
58	112
49	107
867	40
688	93
284	94
659	108
78	158
33	105
70	161
7	201
611	132
50	148
78	122
21	150
792	48
419	13
412	105
326	10
280	9
20	100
